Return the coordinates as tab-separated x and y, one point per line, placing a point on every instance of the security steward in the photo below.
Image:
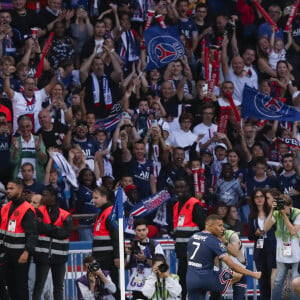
105	235
19	234
54	227
188	218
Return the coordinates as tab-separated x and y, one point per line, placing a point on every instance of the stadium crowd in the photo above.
81	114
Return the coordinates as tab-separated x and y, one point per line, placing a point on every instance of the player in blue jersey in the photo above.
203	248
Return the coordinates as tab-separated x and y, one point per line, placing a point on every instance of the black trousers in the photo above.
182	269
16	276
3	288
58	275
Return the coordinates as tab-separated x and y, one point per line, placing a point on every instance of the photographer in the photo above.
287	219
96	284
161	284
139	255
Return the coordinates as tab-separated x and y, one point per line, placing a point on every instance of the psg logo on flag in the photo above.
166	49
268	106
163	46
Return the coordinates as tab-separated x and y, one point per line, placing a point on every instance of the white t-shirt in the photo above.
274	58
20	107
224	103
239	83
208	132
252	77
180	138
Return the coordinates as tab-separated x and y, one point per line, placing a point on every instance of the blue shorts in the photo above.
199	282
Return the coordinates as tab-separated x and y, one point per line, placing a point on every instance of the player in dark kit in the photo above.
203	248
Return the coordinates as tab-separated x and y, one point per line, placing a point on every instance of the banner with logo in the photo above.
260	106
163	46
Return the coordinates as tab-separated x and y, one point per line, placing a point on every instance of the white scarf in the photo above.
106	91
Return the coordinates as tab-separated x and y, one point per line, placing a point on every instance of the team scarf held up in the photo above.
148	206
101	89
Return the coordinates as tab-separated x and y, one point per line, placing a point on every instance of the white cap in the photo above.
220	145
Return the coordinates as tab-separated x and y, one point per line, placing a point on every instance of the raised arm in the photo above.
86	65
225	66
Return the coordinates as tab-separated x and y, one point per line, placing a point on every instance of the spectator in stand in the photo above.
61	47
288	180
228	189
101	86
140	168
30	101
259	179
30	186
5	145
53	134
28	148
232	222
88	145
81	31
53	13
265	29
24	19
184	137
207	129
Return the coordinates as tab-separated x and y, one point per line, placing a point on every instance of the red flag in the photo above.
293	12
236	113
223	119
265	15
39	68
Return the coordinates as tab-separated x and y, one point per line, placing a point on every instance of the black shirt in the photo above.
54	137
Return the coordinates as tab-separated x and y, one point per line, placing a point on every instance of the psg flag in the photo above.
163	46
260	106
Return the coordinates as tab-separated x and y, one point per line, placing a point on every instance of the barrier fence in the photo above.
78	250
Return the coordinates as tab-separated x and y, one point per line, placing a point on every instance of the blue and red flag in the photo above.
118	211
260	106
163	46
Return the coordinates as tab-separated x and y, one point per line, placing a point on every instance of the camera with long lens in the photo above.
280	204
163	268
135	247
93	267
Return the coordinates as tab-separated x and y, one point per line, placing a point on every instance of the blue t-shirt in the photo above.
5	143
203	247
253	184
287	183
84	203
265	30
187	27
141	175
89	147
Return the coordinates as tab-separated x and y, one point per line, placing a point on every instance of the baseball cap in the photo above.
222	145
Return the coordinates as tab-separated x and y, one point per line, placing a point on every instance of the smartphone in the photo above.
154	123
204	88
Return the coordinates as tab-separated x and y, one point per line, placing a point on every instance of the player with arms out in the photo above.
203	248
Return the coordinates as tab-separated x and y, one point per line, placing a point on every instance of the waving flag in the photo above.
163	46
117	212
260	106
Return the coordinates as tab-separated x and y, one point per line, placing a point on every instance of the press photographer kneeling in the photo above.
96	284
287	220
161	284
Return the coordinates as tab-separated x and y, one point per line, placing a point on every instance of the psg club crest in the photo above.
258	105
163	46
